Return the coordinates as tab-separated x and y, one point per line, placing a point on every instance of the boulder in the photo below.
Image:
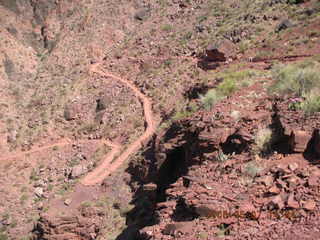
40	183
221	51
292	203
300	140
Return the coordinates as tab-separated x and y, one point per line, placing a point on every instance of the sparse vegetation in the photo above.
34	175
3	236
211	98
263	140
232	80
86	204
157	55
311	104
222	157
166	27
299	80
24	197
65	187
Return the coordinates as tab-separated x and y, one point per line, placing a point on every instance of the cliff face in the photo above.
211	181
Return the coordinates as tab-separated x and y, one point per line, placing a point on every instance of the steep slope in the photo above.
59	121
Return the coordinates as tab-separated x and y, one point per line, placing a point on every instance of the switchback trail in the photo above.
111	163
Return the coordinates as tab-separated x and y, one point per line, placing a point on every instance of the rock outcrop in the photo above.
67	228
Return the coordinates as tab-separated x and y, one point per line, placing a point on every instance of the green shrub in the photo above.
295	79
227	87
166	27
263	139
211	98
221	157
311	103
301	80
232	80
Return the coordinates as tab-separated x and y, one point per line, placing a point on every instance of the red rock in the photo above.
247	207
313	181
300	139
245	135
281	184
315	171
292	203
277	202
71	227
283	169
274	190
309	205
293	181
266	180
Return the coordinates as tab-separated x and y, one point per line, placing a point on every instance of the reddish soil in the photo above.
105	132
220	188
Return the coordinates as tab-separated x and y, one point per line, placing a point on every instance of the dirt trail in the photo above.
19	154
111	161
99	172
60	143
110	164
